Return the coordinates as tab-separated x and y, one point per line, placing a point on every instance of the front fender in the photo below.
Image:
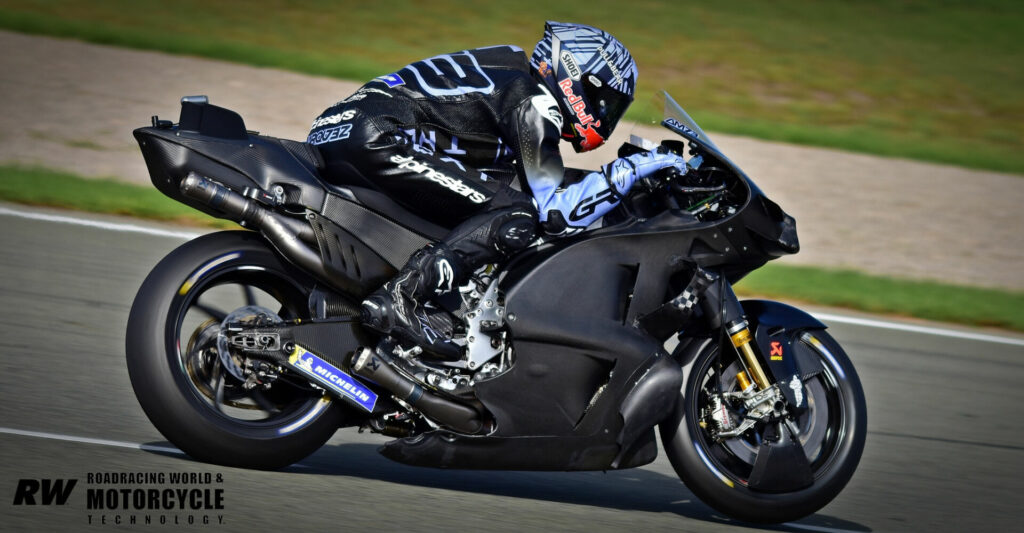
777	314
776	326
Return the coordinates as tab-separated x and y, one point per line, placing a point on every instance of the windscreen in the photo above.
677	118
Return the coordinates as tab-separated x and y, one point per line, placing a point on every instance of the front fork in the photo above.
743	341
757	393
722	309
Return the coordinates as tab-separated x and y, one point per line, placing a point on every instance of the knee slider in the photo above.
517	232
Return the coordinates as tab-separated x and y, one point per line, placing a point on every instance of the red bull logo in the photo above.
576	103
585	128
591	138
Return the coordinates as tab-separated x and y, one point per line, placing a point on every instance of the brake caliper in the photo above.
758	406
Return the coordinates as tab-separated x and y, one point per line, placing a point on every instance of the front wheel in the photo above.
831	433
219	409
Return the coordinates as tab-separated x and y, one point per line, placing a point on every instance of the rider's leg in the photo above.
439	268
490	219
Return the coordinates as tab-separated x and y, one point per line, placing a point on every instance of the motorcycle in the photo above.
245	348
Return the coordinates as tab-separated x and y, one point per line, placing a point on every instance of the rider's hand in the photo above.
651	163
652	169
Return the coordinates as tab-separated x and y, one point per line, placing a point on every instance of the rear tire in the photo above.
715	472
179	380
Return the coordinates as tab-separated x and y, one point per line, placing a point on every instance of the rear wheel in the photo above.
199	399
831	433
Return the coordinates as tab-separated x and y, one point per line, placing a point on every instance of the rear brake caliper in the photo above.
240	336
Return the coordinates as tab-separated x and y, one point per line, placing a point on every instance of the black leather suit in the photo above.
468	141
448	137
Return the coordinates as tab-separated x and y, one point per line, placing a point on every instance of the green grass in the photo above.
927	79
875	294
854	290
35	186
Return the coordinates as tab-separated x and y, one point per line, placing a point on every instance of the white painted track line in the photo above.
101	442
942	332
88	440
110	226
825	317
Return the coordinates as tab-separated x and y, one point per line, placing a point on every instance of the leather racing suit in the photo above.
468	141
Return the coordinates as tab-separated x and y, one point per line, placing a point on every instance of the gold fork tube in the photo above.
741	339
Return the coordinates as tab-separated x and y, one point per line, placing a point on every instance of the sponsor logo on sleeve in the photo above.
589	205
324	136
363	93
336	118
392	80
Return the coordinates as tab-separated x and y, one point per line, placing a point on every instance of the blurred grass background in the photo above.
839	288
938	80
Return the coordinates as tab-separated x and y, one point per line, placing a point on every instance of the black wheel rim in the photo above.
202	302
821	427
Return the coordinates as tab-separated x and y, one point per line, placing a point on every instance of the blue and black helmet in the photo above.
590	74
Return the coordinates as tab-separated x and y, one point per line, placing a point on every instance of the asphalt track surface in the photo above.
944	450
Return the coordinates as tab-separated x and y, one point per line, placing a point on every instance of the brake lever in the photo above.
683	189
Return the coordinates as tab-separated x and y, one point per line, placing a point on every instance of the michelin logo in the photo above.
798	389
305	364
338	381
454	184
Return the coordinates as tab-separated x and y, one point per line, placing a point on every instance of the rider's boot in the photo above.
396	308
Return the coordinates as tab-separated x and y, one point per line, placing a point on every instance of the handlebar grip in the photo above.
668	174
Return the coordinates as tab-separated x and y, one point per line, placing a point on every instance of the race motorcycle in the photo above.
245	347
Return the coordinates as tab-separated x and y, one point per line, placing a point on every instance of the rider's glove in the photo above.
624	172
580	204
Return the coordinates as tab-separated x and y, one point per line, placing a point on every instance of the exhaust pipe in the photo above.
374	367
286	234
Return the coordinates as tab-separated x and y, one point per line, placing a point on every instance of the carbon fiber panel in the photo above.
349	259
389	240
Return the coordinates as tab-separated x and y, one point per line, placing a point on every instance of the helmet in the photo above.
590	74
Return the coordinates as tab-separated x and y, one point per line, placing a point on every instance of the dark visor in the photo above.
607	104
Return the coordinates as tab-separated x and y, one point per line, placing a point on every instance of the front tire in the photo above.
182	384
716	472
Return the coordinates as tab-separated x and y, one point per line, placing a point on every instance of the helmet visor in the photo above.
607	104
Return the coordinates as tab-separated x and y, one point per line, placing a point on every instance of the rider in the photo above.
469	140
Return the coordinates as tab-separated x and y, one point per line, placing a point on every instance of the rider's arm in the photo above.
566	208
